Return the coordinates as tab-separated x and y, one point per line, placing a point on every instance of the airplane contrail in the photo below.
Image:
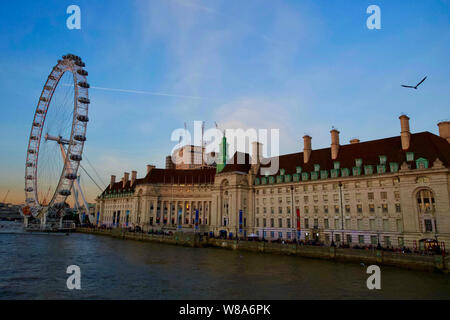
148	92
145	92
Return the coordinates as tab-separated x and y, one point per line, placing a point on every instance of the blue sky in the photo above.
301	66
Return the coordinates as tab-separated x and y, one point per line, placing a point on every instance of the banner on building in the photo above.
240	221
196	219
98	217
298	224
127	216
180	213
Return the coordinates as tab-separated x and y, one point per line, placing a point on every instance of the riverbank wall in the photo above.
430	263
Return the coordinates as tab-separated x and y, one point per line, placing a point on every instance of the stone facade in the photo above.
393	191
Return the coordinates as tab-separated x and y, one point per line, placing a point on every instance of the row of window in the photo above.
334	186
346	197
347	209
372	225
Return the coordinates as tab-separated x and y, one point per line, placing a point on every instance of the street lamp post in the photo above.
342	211
292	212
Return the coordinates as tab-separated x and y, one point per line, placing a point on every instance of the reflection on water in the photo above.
33	266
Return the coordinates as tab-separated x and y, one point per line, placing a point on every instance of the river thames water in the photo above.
33	266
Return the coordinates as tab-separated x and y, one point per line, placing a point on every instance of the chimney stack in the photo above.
149	168
113	180
306	148
444	130
169	163
354	141
133	177
334	144
405	134
126	176
256	152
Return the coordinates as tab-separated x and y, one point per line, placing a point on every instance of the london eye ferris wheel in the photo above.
57	138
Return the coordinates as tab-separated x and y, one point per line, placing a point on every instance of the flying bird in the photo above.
416	85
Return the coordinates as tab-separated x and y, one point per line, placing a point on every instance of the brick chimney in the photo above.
444	130
256	152
334	144
354	141
149	168
113	180
133	177
126	176
405	134
306	148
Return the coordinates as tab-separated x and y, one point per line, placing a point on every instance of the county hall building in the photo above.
395	191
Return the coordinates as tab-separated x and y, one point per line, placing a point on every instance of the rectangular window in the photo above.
401	242
371	208
347	224
360	224
338	237
373	240
288	221
257	222
336	209
384	207
387	241
280	210
316	209
347	208
280	235
359	208
370	196
428	225
349	238
325	209
386	225
306	209
272	234
383	195
288	234
272	223
264	223
399	226
397	195
372	224
316	223
398	208
361	239
326	224
306	224
280	223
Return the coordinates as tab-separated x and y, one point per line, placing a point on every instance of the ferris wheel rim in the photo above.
75	143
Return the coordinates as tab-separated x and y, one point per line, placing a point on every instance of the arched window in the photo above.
425	208
425	201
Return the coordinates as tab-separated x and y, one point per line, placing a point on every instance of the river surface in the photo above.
33	266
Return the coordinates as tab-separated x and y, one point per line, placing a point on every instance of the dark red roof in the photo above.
189	176
423	145
240	162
